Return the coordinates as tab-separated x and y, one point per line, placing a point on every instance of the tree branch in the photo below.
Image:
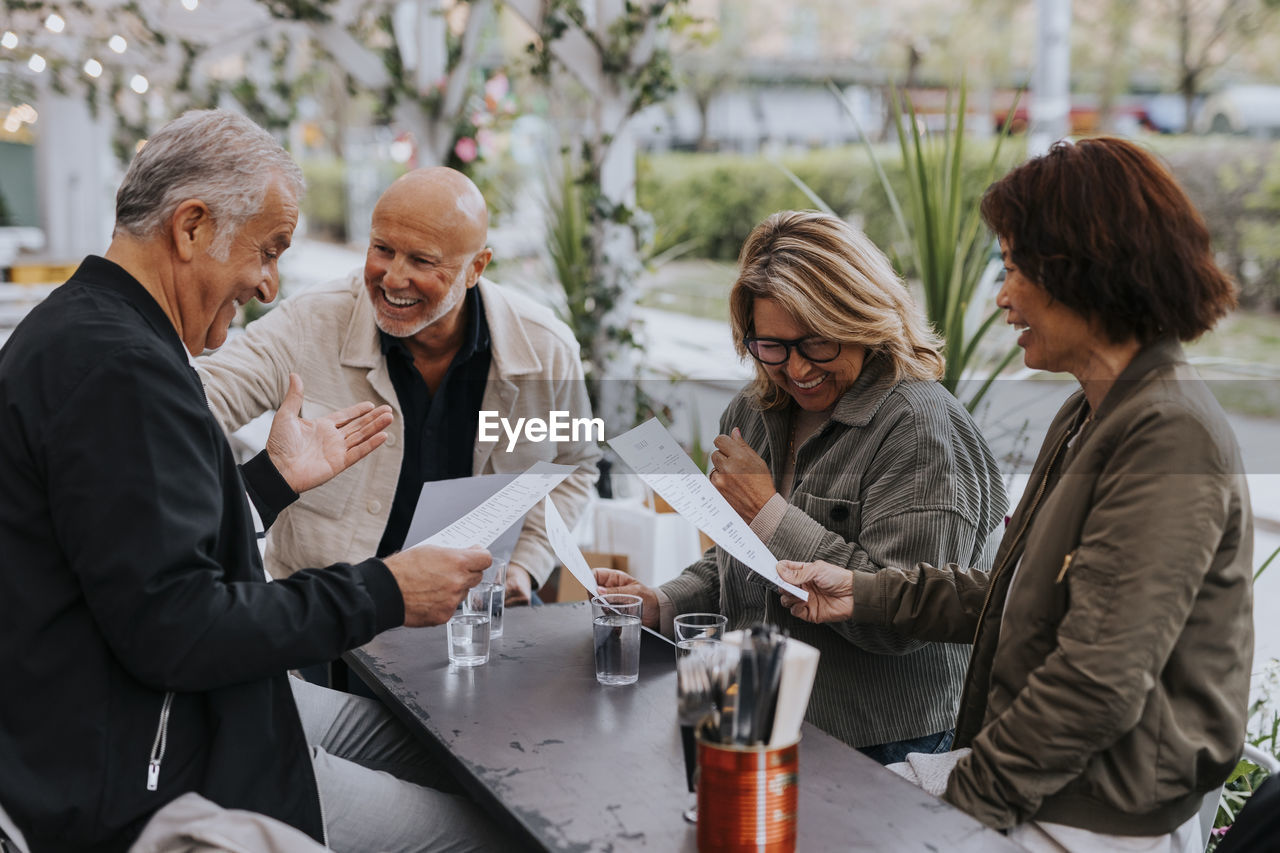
456	89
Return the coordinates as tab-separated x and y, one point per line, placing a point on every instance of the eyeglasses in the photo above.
778	350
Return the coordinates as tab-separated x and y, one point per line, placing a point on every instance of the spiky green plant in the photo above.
569	247
947	245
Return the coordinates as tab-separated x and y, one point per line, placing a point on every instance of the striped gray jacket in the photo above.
897	475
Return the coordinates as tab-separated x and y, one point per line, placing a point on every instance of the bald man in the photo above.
423	331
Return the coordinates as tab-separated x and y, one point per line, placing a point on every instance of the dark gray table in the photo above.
571	765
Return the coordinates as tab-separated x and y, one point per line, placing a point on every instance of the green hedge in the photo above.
1235	183
714	200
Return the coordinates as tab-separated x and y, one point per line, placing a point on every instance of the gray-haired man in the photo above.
144	654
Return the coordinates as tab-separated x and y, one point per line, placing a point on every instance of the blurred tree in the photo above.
616	56
709	59
1109	30
1208	33
417	62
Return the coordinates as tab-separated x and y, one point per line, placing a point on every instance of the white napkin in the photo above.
929	771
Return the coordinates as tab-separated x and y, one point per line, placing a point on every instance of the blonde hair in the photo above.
839	286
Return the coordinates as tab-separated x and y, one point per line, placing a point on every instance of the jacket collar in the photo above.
513	353
1162	352
867	394
97	271
855	408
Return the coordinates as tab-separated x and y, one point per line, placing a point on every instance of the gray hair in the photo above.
219	157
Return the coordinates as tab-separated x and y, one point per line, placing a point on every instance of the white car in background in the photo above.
1251	110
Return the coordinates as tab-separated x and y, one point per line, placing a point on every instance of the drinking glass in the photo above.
690	627
615	629
496	574
468	639
486	598
702	671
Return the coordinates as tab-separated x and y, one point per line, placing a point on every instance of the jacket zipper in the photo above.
324	822
991	584
158	746
161	742
1066	564
1035	502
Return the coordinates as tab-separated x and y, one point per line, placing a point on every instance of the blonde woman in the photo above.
844	448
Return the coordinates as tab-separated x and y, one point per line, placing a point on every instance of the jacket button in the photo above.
391	440
374	506
839	513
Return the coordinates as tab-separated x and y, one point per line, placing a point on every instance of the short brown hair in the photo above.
834	281
1105	229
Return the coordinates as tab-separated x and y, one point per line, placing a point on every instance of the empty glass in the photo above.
616	634
483	598
698	626
468	639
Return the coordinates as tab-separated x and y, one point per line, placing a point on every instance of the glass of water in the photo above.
496	576
468	639
616	632
691	627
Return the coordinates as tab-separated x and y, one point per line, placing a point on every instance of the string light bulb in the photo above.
9	40
139	84
190	5
93	68
118	44
36	63
55	23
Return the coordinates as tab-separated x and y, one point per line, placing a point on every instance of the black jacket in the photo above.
131	590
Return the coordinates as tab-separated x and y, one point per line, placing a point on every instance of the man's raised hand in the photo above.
309	453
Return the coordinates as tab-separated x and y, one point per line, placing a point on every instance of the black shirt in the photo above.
440	428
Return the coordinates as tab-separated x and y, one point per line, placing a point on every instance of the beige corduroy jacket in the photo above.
327	335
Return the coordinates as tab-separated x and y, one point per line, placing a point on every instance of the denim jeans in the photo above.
892	753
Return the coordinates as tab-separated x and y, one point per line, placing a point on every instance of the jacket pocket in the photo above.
1088	598
842	517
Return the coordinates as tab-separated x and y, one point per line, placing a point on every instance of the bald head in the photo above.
426	249
446	197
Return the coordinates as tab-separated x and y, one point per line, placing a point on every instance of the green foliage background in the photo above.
714	200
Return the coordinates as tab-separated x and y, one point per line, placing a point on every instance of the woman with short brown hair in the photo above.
1108	688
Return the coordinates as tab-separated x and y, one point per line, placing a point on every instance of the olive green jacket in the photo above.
1113	638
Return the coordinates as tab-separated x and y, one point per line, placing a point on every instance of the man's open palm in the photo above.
308	453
